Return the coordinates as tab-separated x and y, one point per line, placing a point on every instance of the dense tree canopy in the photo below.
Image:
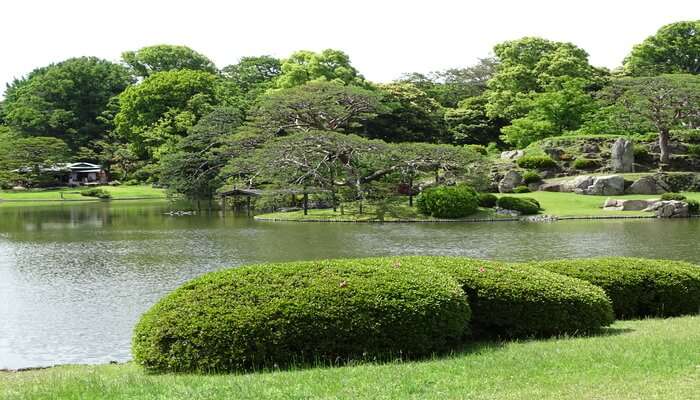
316	106
329	65
470	124
675	48
163	57
154	114
65	100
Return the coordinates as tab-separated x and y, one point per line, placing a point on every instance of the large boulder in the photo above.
622	156
669	209
510	181
580	182
551	187
628	205
512	155
646	185
609	185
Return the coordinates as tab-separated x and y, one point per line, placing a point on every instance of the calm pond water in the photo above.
75	278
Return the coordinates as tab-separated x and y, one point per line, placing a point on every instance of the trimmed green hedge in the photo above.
448	201
524	205
487	200
536	162
531	177
520	301
638	287
279	314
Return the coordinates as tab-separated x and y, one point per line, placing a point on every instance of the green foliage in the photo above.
34	156
536	162
329	66
65	100
479	148
693	206
253	75
682	181
96	192
521	189
693	150
469	122
638	287
520	204
531	177
641	152
686	135
487	200
317	311
316	106
518	301
448	201
675	48
410	115
585	163
159	58
157	112
673	196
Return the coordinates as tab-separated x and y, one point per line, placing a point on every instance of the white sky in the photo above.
384	38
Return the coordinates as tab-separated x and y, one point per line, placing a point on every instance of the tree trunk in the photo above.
663	147
410	193
306	203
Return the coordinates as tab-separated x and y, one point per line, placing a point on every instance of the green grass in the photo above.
647	359
118	193
397	212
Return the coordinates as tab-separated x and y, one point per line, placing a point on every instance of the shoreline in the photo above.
531	218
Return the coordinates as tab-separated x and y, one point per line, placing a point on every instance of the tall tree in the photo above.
410	116
675	48
155	113
470	124
64	100
316	106
329	65
32	155
253	73
533	65
666	102
165	57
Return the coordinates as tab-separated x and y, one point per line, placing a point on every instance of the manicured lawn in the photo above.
118	193
647	359
399	212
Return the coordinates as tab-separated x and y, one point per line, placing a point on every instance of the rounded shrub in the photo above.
96	192
487	200
585	163
531	177
280	314
521	301
673	196
523	205
536	162
521	189
638	287
693	206
448	201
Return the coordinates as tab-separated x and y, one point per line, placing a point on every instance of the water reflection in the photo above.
74	278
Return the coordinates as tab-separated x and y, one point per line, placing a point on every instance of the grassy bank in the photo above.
557	204
73	194
650	359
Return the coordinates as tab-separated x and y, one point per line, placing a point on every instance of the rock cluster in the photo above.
669	209
510	181
628	205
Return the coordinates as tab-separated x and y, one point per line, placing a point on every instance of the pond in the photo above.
74	278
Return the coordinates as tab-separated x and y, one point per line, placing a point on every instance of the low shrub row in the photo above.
524	205
338	310
638	287
96	192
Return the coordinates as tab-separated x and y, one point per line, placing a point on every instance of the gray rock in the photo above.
669	209
510	181
622	156
551	187
580	182
506	212
628	205
609	185
511	155
591	148
645	185
554	153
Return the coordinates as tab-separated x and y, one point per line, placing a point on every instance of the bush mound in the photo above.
536	162
521	301
96	192
448	201
693	206
673	196
524	205
279	314
531	177
585	163
487	200
638	287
